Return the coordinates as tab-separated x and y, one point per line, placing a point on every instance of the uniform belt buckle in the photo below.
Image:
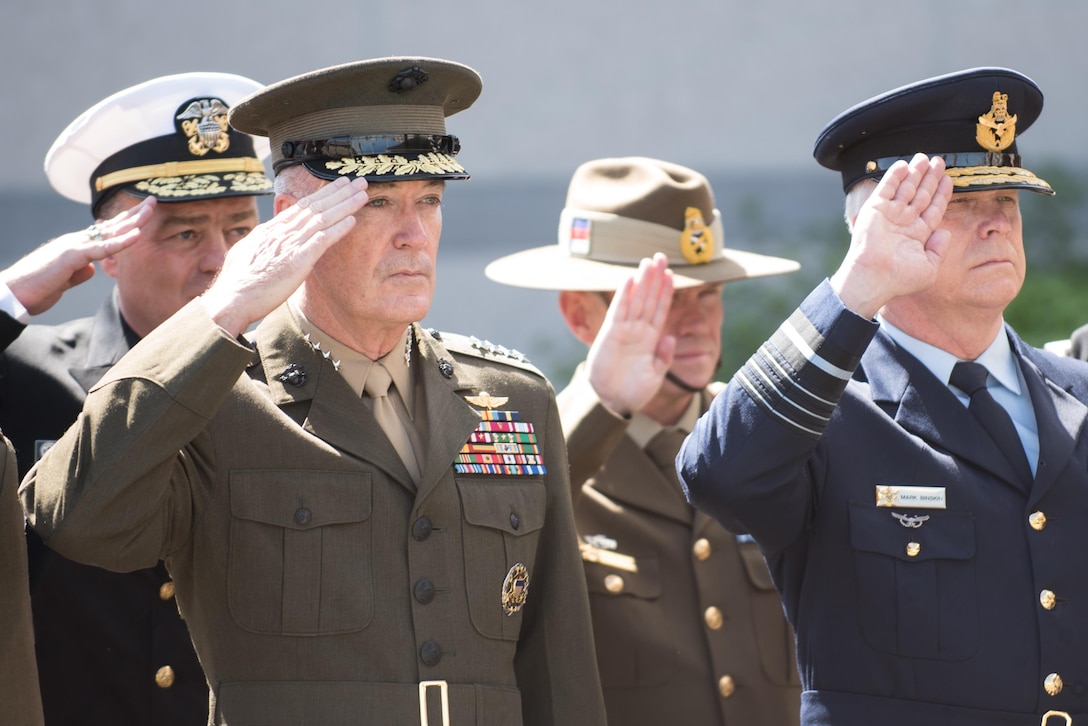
1056	714
443	689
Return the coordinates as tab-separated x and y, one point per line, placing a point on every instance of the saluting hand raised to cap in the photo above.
897	246
267	265
631	354
39	279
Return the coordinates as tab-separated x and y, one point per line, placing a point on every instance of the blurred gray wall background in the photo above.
738	90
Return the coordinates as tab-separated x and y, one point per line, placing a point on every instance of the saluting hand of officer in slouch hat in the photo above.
630	356
39	279
269	264
897	247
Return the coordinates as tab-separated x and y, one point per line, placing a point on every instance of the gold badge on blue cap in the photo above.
996	129
515	589
501	444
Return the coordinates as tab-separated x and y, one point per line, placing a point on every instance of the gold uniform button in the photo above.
166	591
613	583
1053	684
701	550
726	686
713	618
913	548
1048	599
1037	520
164	677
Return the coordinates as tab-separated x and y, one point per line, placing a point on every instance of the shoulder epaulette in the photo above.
471	345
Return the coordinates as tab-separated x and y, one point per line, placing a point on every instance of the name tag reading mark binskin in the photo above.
918	497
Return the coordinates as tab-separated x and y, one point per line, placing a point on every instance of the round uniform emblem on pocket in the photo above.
515	588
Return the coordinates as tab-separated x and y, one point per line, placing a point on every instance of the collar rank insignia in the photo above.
515	589
501	444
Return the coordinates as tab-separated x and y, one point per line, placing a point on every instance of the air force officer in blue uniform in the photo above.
935	573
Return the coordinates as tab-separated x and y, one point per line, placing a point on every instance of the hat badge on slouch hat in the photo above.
621	210
970	118
382	119
167	137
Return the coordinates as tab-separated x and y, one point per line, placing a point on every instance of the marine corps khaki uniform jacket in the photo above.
20	701
321	585
687	622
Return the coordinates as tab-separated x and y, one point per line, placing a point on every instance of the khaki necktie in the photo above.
377	387
662	449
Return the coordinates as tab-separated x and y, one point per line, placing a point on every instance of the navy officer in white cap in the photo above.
367	522
171	188
916	474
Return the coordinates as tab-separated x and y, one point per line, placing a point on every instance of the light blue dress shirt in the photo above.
1005	383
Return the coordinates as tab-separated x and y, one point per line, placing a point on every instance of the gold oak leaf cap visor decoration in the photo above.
382	119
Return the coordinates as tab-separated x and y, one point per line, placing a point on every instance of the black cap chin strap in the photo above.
672	377
675	380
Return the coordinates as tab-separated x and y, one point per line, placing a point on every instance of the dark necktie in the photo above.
970	378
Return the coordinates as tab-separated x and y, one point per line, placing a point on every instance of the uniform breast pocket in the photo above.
916	581
628	621
299	557
501	531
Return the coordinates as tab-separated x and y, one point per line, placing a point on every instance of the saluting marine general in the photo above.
367	522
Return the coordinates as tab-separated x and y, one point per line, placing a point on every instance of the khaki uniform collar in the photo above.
354	366
643	428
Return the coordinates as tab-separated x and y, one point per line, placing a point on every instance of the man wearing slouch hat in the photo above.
685	617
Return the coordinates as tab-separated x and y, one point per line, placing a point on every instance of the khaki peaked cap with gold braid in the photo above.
619	211
383	119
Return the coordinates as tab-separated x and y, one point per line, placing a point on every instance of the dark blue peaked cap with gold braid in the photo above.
971	118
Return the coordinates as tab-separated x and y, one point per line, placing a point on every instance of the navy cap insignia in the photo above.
204	122
996	129
515	588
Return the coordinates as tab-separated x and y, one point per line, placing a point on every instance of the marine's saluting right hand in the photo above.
264	268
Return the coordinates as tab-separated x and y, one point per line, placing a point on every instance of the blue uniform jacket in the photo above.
977	613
